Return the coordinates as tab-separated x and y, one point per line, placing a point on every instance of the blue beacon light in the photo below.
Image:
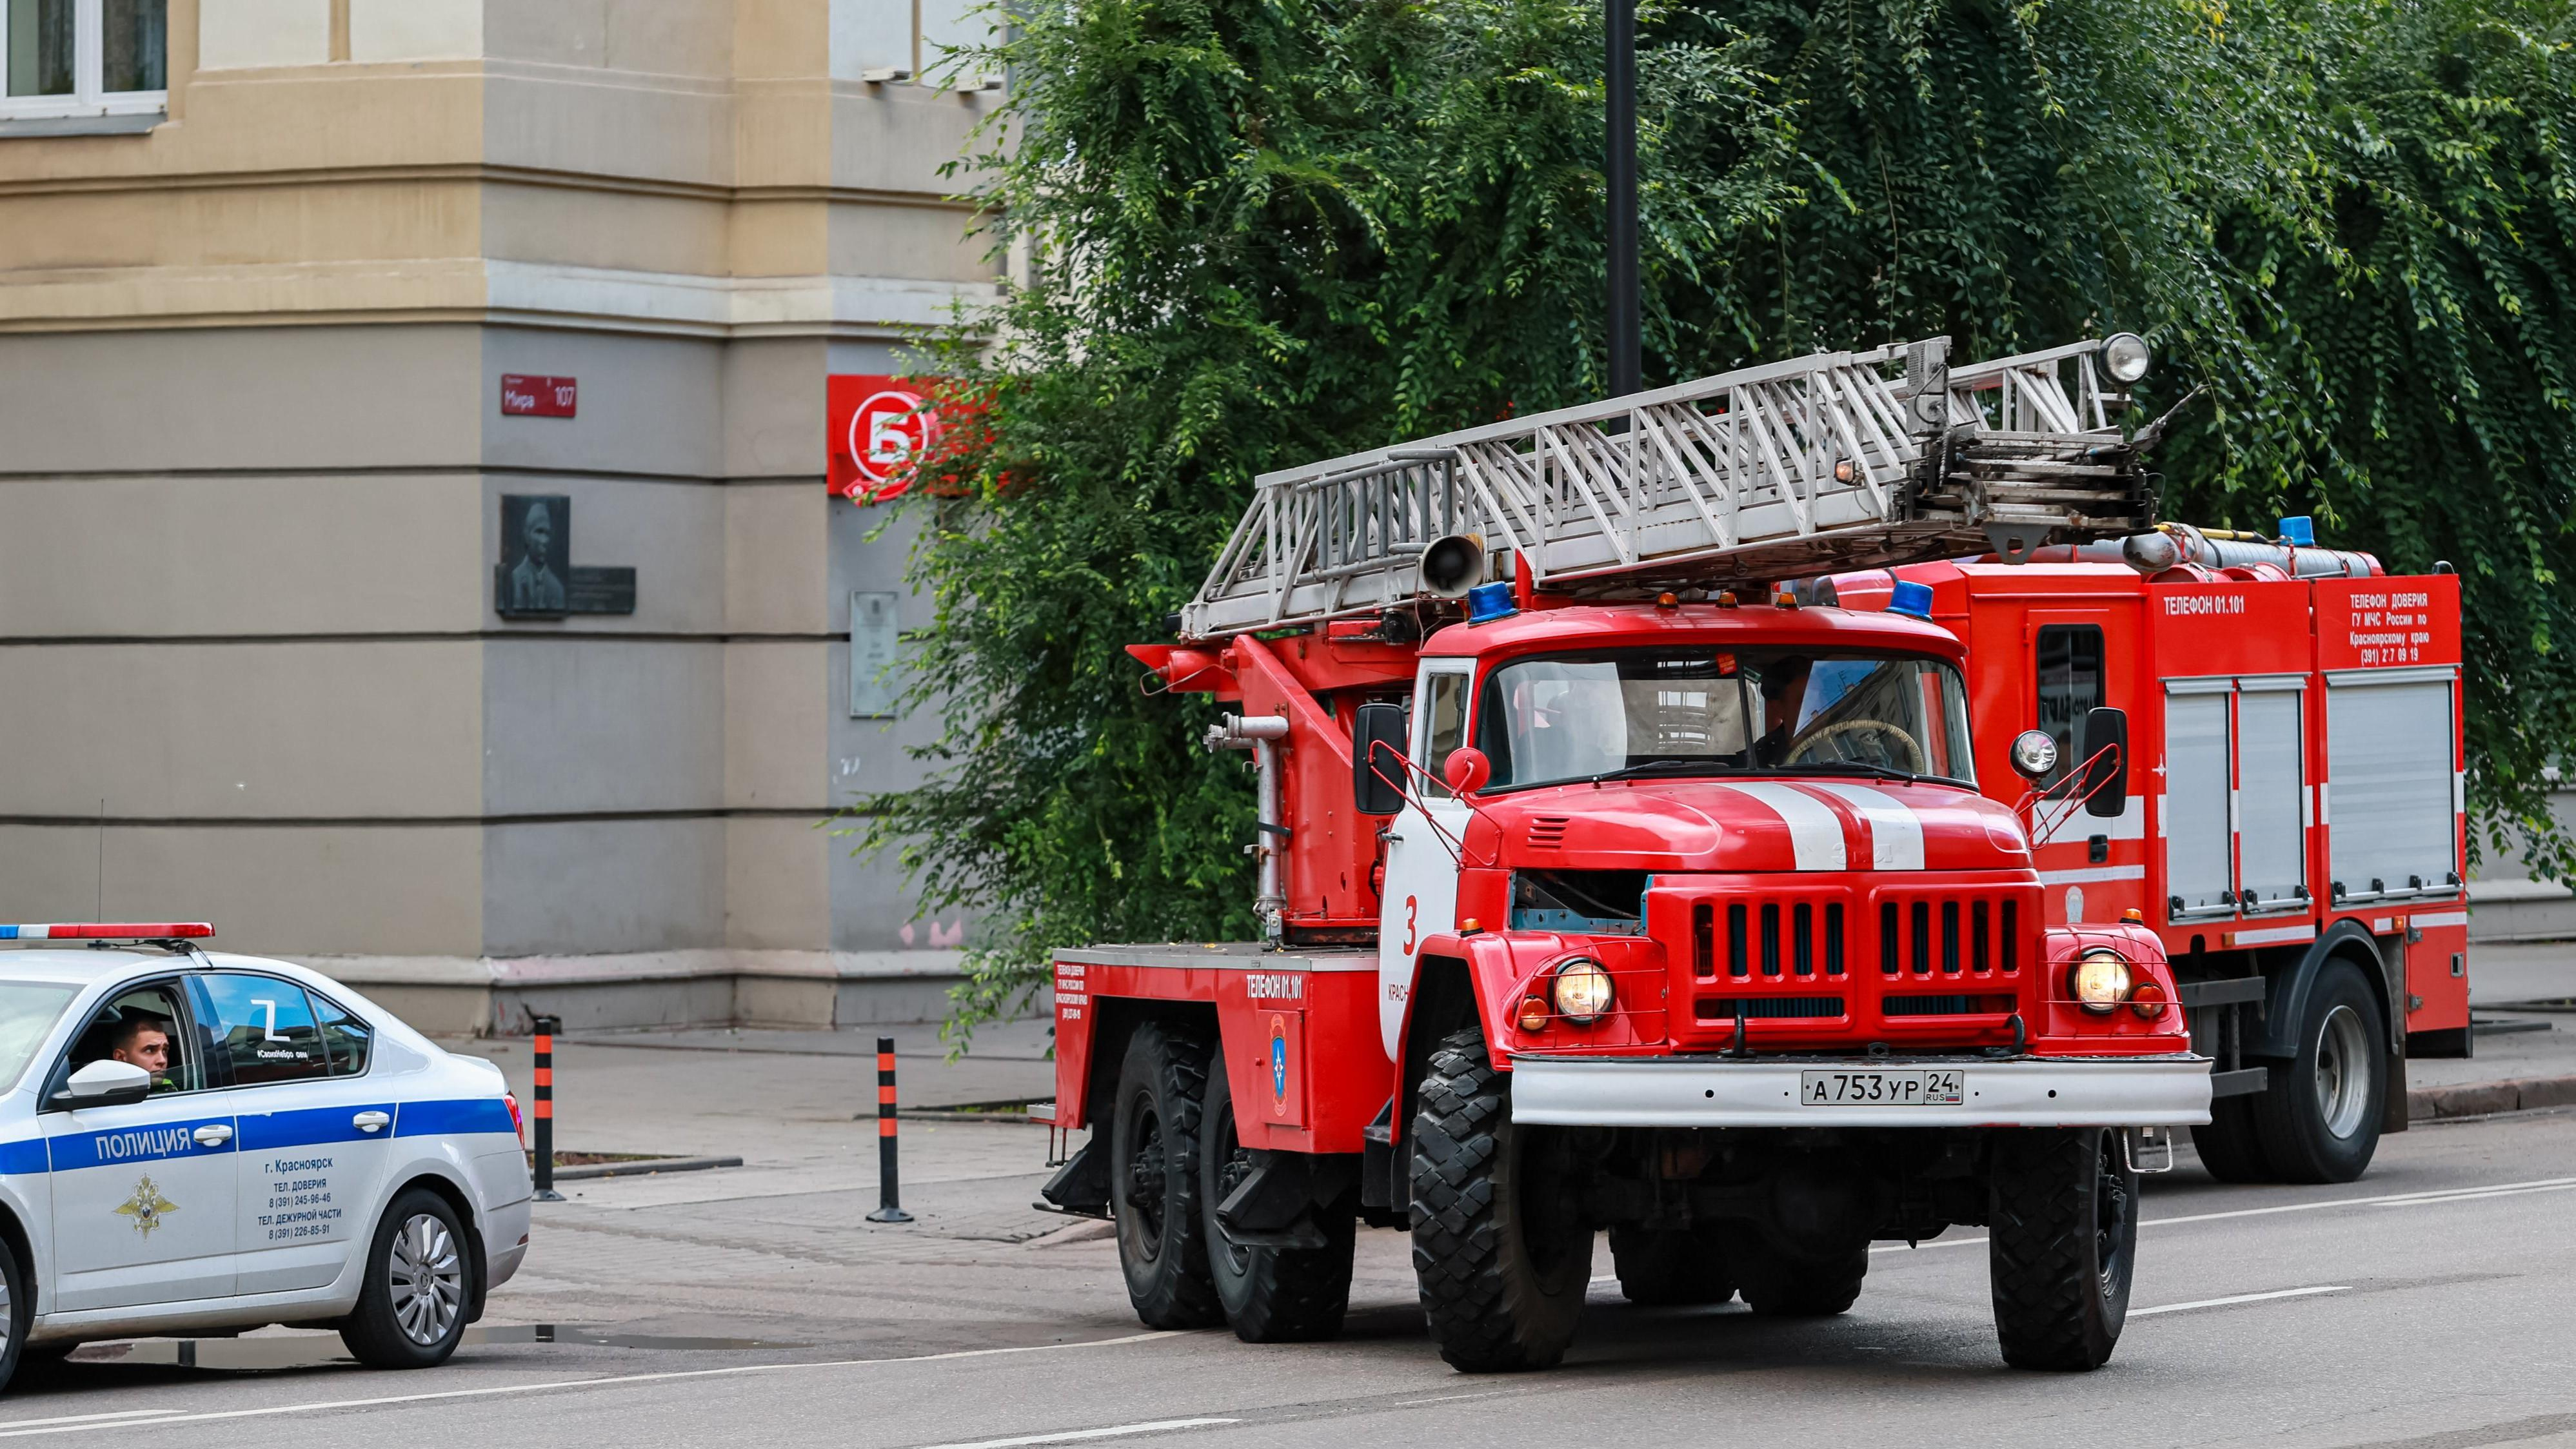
1911	599
1488	602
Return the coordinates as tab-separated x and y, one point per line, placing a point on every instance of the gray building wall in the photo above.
252	460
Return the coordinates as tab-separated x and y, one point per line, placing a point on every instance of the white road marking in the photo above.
13	1429
123	1414
2395	1199
1072	1435
2238	1298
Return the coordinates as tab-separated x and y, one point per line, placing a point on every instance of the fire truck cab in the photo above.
2295	831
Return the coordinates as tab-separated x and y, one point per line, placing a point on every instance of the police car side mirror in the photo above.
104	1084
1377	758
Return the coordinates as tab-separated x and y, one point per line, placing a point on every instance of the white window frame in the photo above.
89	59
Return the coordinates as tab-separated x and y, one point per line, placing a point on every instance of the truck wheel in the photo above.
1270	1295
2318	1120
2062	1239
1780	1286
1668	1267
2228	1144
1154	1179
1500	1245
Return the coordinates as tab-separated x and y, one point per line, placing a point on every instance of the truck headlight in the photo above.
1581	990
2100	980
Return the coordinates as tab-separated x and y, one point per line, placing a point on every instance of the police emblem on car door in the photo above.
146	1207
143	1192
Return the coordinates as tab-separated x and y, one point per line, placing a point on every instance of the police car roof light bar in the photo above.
117	931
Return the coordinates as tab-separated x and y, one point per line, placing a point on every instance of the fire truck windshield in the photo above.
1607	713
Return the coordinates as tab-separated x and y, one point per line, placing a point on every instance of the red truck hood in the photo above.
1770	824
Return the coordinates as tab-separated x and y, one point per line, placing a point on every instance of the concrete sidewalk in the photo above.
774	1097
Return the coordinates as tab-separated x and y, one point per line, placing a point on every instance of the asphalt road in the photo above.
2427	1306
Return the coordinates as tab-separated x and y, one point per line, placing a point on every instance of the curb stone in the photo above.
2485	1099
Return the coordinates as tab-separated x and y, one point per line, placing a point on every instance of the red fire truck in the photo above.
2295	839
1606	885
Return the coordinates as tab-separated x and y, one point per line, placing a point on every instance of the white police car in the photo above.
193	1142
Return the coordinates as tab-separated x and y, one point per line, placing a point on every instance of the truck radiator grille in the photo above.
1922	937
1945	1005
1756	1008
1801	938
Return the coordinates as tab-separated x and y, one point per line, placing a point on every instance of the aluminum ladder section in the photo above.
1835	461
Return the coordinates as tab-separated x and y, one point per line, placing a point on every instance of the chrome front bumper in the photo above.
2164	1091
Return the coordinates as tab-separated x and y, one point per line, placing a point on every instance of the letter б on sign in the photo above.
527	396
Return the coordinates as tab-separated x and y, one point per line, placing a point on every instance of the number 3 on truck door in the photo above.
1421	888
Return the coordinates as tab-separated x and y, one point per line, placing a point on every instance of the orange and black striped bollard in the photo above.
546	1026
889	1200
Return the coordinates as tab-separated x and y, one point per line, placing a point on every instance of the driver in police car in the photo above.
143	1041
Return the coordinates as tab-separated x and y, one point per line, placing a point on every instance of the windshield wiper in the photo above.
1848	767
1687	766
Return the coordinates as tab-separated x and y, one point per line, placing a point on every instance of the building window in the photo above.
83	57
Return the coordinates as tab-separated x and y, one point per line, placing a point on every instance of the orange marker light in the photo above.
1668	601
2148	1001
1533	1014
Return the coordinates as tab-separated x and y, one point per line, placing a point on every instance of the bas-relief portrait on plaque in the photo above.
535	578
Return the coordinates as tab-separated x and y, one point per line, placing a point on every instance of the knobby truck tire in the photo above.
1500	1247
1670	1267
2228	1144
1782	1286
1270	1295
1154	1178
2300	1142
2062	1240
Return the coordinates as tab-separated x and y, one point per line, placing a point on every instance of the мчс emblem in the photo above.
1278	1063
146	1207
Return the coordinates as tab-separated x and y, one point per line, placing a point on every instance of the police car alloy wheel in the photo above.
427	1279
411	1311
16	1308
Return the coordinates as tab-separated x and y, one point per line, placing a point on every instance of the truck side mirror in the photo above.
2106	780
1377	758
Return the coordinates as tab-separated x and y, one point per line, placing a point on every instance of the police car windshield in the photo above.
1671	711
28	1010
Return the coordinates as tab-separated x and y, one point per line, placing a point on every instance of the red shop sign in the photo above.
878	428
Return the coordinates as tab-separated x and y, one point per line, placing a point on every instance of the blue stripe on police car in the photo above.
75	1150
311	1126
424	1119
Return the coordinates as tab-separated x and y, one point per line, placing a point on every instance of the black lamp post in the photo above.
1626	311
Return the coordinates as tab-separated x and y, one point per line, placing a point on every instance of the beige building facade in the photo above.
254	327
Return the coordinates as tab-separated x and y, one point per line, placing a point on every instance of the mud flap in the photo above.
1081	1186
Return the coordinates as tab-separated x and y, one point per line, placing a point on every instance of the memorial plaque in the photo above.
874	636
534	579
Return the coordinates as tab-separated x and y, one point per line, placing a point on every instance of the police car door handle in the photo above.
370	1121
214	1134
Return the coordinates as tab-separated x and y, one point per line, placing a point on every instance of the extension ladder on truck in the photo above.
1785	470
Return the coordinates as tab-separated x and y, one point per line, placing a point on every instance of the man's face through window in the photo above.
147	1047
1784	692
